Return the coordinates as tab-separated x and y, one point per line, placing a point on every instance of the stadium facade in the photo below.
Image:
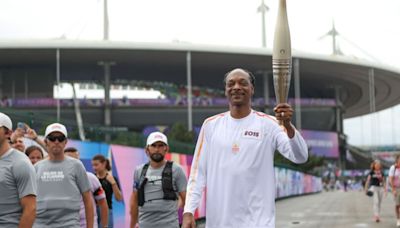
324	89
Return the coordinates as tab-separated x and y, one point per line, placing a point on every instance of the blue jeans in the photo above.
110	218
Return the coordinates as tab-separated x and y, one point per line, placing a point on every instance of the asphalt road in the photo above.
333	210
337	209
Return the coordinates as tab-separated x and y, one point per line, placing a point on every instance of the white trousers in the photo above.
377	199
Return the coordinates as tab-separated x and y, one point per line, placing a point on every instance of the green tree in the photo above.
311	166
180	133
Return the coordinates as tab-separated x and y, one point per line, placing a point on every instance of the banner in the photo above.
322	143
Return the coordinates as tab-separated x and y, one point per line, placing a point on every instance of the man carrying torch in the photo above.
234	154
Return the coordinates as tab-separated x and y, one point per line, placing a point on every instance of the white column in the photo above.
189	89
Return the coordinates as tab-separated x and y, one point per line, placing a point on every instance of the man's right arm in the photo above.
134	208
188	221
197	180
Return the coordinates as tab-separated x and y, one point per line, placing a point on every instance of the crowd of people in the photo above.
56	184
170	92
48	186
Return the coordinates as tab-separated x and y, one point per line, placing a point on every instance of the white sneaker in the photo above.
398	223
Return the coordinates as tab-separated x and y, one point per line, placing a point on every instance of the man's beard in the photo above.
157	157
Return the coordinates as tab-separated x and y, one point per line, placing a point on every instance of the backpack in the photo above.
166	180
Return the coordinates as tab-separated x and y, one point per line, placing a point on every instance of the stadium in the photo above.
111	94
327	88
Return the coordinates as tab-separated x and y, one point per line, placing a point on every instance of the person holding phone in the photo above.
24	131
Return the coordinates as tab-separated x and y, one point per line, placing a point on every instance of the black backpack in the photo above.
167	184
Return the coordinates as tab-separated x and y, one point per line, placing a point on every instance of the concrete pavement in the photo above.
333	210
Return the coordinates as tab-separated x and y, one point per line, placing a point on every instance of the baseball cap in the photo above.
5	121
156	137
56	127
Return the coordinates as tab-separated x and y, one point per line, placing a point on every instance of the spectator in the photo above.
21	132
34	154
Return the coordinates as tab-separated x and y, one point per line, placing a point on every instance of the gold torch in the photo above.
282	55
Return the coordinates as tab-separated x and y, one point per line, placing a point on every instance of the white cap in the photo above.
156	137
5	121
56	127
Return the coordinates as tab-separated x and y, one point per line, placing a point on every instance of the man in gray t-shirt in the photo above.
17	182
156	210
61	183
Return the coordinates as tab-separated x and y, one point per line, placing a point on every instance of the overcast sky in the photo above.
370	29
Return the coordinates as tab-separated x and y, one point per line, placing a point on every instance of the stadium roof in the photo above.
319	75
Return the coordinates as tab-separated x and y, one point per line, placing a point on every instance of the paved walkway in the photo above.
333	210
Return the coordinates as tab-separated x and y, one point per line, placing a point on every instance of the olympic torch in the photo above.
282	55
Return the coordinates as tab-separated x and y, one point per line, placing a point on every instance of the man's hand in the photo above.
17	133
188	221
284	113
30	133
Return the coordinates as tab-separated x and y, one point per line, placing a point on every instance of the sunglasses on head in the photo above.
60	138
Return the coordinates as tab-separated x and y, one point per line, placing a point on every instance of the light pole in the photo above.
107	100
263	9
105	23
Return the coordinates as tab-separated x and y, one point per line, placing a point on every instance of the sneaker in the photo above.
398	223
376	218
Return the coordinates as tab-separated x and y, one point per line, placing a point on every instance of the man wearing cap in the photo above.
17	182
158	185
62	181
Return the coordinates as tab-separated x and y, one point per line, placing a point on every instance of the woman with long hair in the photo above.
376	181
101	166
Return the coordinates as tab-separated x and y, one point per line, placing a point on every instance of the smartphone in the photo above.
21	125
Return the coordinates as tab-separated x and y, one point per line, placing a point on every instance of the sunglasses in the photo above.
60	138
